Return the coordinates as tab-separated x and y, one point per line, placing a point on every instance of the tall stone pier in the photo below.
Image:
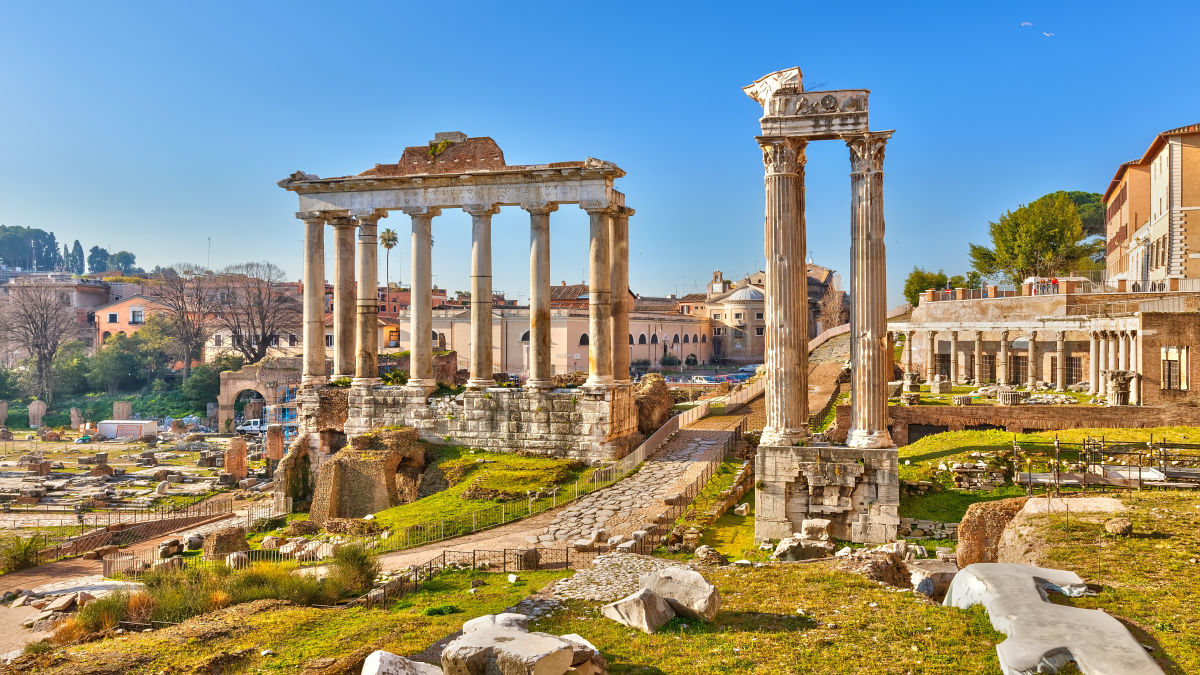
855	487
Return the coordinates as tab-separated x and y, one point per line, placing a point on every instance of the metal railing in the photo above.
127	534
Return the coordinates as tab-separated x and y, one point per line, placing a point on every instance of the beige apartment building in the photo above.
1153	214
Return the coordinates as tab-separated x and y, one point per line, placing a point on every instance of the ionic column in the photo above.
1060	374
1102	363
600	364
786	305
619	261
953	357
1002	364
1094	364
540	375
1122	350
869	360
314	373
978	358
1135	364
908	351
420	308
930	355
366	371
343	296
481	295
1032	357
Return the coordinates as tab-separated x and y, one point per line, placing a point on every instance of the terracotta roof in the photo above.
571	292
655	304
694	297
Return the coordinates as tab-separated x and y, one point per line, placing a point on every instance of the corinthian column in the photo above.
978	374
314	299
366	370
619	261
540	376
420	308
1060	365
481	295
1102	361
868	287
600	364
1002	364
786	304
343	296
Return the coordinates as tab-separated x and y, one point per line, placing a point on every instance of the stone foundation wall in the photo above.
1022	418
858	489
573	423
354	483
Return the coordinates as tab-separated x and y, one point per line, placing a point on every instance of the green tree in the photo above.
97	260
203	385
71	369
77	259
920	280
1091	211
388	240
1042	238
8	385
120	364
124	261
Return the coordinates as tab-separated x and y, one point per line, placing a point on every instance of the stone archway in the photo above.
256	378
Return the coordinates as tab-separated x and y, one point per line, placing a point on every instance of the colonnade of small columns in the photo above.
355	319
1108	350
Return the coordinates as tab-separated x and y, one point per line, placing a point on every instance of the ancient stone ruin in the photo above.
37	409
379	470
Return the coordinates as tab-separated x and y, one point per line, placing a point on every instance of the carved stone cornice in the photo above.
597	206
867	150
782	155
418	211
481	209
338	222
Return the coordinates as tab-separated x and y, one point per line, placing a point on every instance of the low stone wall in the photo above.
1021	418
571	423
911	528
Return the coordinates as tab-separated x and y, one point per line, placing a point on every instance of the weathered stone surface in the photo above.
237	560
505	620
235	458
931	577
791	549
981	528
687	591
362	479
707	555
883	566
816	529
380	662
741	509
645	610
225	541
37	410
654	402
496	649
122	410
1121	527
273	444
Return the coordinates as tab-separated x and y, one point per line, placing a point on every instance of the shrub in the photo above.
39	647
104	613
441	610
18	553
141	607
68	632
355	568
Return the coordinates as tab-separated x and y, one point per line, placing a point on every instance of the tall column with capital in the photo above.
1094	363
1123	350
953	357
869	359
600	364
481	295
1060	365
978	374
1032	358
619	261
366	370
1112	353
420	308
343	296
540	376
1002	363
1135	364
930	355
314	373
786	305
1102	360
908	351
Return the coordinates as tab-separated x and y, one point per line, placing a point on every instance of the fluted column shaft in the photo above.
869	359
619	260
314	373
1032	358
978	374
930	355
786	305
953	357
420	309
1094	364
481	295
1002	363
1060	374
908	351
600	363
366	369
1112	350
1123	350
343	297
1102	361
540	375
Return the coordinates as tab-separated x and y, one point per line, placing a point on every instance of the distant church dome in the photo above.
746	294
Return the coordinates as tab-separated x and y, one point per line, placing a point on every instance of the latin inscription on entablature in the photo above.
815	114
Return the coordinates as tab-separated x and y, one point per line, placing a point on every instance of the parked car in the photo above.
703	379
750	368
254	426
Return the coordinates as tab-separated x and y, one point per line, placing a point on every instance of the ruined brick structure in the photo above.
376	472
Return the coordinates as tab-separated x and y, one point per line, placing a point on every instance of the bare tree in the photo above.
188	294
831	310
39	319
257	307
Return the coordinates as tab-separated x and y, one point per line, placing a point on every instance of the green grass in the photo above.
299	635
759	630
473	472
949	506
733	535
721	480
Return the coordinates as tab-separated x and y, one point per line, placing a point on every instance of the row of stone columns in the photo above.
356	344
1113	350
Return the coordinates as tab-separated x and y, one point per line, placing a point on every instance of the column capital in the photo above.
866	150
369	216
782	155
624	212
1033	335
1004	337
417	211
540	208
597	206
341	221
481	209
1060	336
319	216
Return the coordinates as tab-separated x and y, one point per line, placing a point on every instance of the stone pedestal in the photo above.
961	399
1009	397
235	458
912	381
122	410
910	398
856	489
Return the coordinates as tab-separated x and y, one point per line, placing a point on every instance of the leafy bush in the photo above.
669	360
104	613
341	382
18	553
355	568
141	607
395	378
441	610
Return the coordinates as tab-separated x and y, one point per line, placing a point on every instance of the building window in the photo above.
703	338
716	315
137	316
716	331
292	339
642	339
1175	368
583	340
112	317
328	340
654	339
759	331
737	316
686	339
758	316
218	340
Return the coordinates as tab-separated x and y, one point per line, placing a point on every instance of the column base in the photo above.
478	383
340	376
540	385
865	438
785	437
423	386
366	382
599	382
312	381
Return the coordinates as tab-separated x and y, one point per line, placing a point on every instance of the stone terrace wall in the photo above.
1022	418
573	423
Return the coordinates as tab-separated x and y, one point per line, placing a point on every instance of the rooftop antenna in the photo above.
208	264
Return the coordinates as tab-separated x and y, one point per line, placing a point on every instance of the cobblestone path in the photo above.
612	576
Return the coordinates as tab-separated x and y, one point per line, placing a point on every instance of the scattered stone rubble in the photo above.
611	576
661	596
812	541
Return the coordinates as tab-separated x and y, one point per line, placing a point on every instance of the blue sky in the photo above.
156	126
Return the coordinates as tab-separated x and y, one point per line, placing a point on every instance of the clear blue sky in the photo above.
154	126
